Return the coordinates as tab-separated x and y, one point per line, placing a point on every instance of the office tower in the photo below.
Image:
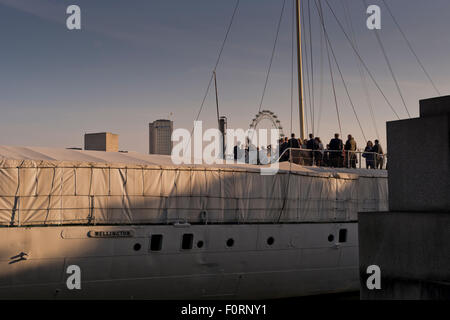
160	134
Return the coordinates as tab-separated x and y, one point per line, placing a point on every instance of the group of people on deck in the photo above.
312	152
336	154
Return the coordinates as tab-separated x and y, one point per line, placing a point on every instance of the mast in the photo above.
221	121
217	100
299	71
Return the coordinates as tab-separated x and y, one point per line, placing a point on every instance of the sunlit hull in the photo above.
302	260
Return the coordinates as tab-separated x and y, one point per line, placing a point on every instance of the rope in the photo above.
361	59
217	63
343	81
391	70
292	107
411	48
306	84
270	63
342	78
292	60
331	68
321	82
360	68
312	103
271	56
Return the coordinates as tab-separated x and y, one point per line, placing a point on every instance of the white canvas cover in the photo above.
41	186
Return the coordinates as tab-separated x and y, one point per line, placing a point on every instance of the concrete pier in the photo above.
411	243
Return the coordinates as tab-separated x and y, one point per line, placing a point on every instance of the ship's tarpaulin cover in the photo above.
41	186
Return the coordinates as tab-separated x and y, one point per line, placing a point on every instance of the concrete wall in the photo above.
412	251
435	106
411	242
419	164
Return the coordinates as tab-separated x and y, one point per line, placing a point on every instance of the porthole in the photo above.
330	238
137	247
270	241
230	242
200	244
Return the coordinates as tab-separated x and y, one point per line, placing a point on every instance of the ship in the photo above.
139	227
136	226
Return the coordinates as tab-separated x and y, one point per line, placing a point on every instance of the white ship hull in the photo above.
106	217
302	260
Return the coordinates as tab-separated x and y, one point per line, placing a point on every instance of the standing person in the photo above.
236	150
303	152
294	154
253	153
369	155
283	147
326	157
304	144
379	155
318	153
336	146
350	148
311	142
311	145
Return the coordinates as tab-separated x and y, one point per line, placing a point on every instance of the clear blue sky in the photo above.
136	61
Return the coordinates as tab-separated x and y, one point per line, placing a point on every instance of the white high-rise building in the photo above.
159	137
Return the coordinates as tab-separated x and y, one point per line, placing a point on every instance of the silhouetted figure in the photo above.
252	153
369	155
294	154
283	147
326	157
318	153
236	150
311	145
350	145
304	144
379	155
336	146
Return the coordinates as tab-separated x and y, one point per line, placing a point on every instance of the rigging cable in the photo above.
306	63
411	48
272	55
391	70
342	76
321	82
217	62
270	63
286	191
361	59
217	98
292	61
330	66
360	68
312	107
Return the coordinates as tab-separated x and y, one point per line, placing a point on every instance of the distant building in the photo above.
159	137
103	141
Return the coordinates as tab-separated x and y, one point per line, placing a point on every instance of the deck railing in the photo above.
323	158
335	158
